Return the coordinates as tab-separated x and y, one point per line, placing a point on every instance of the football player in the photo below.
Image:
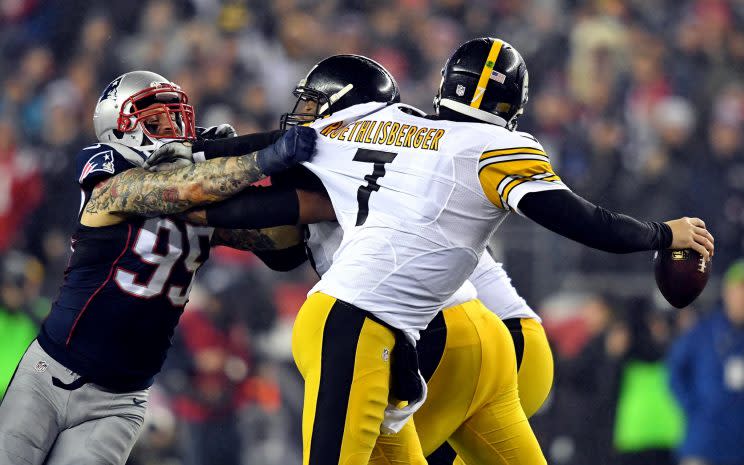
79	392
433	212
418	198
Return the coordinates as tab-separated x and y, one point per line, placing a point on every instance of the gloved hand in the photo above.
171	155
296	145
221	131
177	154
172	164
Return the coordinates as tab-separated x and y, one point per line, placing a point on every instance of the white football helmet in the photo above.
130	109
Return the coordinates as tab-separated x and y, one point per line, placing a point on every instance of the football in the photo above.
681	275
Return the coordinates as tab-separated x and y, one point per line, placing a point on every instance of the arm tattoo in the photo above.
140	192
280	237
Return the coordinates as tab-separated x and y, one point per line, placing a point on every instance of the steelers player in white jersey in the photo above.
418	200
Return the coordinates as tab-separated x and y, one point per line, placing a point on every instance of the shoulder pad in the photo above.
526	135
512	140
97	162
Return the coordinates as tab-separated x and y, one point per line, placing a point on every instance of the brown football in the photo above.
681	275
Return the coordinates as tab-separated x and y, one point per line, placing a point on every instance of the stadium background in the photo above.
640	104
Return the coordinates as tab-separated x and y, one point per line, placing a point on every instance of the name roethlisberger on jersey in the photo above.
389	133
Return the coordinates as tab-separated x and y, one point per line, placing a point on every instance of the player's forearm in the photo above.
285	259
268	239
571	216
140	192
264	207
234	146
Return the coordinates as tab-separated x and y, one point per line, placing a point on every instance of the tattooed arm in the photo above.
281	237
280	248
137	192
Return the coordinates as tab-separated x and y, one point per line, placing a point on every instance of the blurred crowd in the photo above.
640	104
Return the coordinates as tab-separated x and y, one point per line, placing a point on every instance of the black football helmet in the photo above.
339	82
485	79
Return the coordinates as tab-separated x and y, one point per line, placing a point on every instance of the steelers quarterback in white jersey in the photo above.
418	199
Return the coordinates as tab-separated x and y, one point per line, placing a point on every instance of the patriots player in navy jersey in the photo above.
78	395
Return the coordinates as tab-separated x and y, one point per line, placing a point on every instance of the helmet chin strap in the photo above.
335	98
467	110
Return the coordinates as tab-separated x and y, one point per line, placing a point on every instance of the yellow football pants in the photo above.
535	365
344	358
534	374
469	360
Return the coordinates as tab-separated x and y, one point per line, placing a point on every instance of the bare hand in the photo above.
690	233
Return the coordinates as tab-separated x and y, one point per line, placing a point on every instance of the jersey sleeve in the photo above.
507	174
97	162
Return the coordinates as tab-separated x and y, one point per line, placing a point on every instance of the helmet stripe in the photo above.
493	55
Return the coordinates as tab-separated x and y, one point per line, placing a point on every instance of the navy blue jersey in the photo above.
124	289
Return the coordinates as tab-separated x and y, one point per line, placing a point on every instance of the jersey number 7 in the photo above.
379	158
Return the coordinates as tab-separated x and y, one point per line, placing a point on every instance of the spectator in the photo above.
20	186
212	361
648	423
707	376
719	172
20	279
586	385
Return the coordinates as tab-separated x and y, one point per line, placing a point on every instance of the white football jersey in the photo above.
495	290
489	281
418	200
323	241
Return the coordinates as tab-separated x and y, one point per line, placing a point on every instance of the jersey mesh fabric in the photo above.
426	217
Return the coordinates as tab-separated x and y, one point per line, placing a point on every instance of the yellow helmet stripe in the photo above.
493	55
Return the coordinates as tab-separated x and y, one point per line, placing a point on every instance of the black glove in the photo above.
296	145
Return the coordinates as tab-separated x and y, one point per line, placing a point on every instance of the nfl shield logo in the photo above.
460	90
41	366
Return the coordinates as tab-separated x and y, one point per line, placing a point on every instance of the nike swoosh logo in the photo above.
92	147
137	401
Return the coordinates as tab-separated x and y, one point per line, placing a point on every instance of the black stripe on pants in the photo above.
340	335
515	329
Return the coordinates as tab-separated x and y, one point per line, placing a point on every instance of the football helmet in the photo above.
140	107
339	82
485	79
